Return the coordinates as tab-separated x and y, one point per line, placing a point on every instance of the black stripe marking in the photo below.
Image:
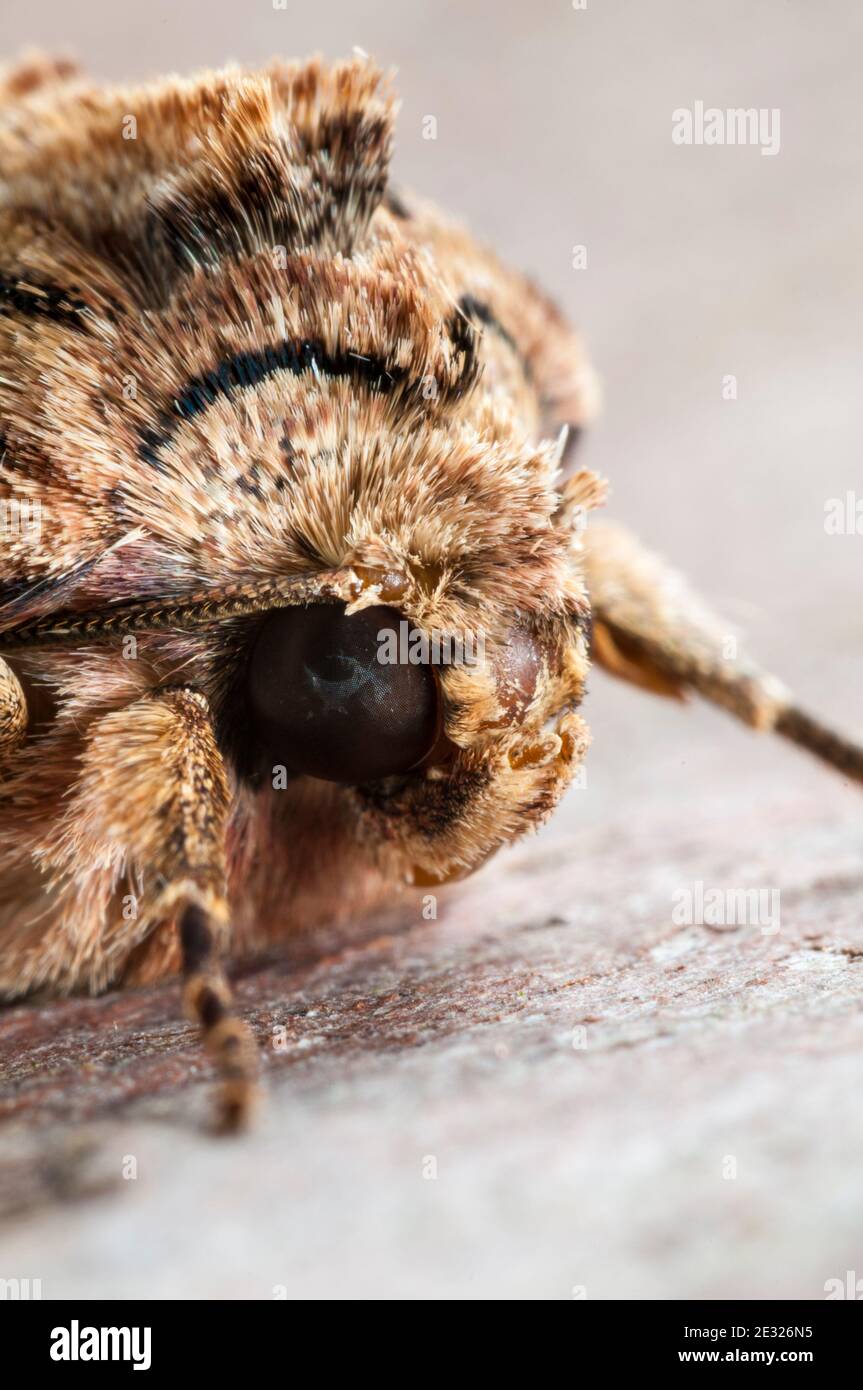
250	369
470	311
477	309
29	299
196	938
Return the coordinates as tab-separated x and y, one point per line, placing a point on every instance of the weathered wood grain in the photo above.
584	1073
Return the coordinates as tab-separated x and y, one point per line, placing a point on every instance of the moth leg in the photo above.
651	629
13	710
150	810
191	869
208	999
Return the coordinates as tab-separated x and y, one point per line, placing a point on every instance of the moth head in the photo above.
440	689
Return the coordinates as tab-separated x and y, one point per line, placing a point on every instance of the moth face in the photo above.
436	660
450	722
446	716
325	703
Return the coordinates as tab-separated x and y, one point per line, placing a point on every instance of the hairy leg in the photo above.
149	810
191	871
651	629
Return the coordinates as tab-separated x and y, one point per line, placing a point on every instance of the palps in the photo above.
269	429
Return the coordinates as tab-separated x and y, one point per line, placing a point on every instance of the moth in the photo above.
258	408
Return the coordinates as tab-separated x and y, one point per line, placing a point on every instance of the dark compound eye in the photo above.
325	705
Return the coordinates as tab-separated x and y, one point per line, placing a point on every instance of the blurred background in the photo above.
702	262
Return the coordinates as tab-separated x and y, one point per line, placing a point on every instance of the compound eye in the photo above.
325	705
